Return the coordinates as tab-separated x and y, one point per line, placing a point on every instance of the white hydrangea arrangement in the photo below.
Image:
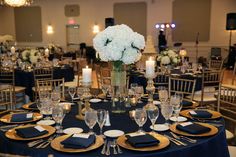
30	55
168	57
119	43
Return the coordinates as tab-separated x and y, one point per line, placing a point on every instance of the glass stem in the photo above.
100	130
153	127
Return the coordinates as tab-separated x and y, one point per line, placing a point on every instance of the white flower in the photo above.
165	60
171	53
34	59
119	43
175	60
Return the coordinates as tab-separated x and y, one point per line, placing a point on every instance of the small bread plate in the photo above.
46	122
113	133
180	119
160	127
56	144
72	130
11	134
164	142
95	100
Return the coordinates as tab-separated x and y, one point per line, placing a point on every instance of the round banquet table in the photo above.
214	146
26	79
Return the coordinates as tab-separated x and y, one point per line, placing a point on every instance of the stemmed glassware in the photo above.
56	96
105	90
140	118
72	91
153	115
163	94
58	115
166	111
101	118
139	92
175	101
90	119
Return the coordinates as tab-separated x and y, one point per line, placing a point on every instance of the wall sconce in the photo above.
96	29
50	29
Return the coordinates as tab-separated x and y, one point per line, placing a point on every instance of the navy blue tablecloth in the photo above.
26	79
214	146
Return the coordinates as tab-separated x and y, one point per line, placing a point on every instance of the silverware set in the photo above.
107	148
175	141
179	137
41	143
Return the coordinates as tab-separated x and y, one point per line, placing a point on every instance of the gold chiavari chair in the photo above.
50	85
234	73
216	64
182	86
227	106
43	73
161	80
7	76
6	96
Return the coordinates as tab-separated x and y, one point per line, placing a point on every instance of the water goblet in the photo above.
153	114
175	101
163	94
105	90
101	118
166	111
140	118
139	92
90	119
72	91
58	115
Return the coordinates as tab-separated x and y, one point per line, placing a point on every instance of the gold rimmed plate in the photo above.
7	118
56	144
186	113
212	132
27	106
11	134
164	142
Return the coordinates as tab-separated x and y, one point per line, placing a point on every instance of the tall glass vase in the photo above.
118	83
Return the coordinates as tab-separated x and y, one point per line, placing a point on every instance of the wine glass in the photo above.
153	114
90	119
140	117
166	111
175	101
72	91
105	90
163	94
55	96
139	92
101	118
58	115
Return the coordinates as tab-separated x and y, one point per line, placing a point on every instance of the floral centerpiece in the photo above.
30	55
122	46
168	57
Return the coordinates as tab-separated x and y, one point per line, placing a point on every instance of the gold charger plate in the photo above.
56	144
7	118
164	142
27	106
11	134
186	113
213	131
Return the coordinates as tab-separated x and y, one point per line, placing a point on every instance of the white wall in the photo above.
92	11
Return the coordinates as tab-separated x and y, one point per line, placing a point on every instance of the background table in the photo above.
26	79
214	146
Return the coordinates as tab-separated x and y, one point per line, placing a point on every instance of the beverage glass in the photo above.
140	118
90	119
153	115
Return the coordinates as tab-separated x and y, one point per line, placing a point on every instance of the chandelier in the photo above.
16	3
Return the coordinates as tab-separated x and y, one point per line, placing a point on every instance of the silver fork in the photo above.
108	148
104	147
113	145
45	144
178	141
183	137
118	148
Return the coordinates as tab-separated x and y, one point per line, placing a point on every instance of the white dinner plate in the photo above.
95	100
74	130
160	127
113	133
155	102
180	119
46	122
62	103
